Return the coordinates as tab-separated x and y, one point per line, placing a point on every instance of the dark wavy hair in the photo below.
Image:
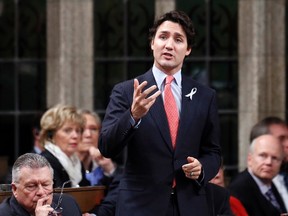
263	126
177	17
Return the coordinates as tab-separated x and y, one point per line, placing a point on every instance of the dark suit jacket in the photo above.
10	207
218	200
244	188
60	174
152	164
108	204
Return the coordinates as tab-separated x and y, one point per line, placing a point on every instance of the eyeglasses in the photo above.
58	209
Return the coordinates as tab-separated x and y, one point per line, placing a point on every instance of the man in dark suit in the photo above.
168	163
32	187
277	127
217	200
254	185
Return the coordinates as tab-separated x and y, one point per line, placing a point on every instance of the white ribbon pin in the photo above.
190	95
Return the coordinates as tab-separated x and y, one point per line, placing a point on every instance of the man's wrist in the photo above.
134	123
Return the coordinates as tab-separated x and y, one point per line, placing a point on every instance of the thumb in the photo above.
190	159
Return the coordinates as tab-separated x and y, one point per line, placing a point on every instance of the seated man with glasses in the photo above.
32	188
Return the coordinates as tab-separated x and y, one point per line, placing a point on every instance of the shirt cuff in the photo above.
134	123
201	177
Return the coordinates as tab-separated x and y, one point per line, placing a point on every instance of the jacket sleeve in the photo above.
117	128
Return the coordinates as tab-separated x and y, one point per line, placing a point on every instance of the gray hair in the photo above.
94	114
30	160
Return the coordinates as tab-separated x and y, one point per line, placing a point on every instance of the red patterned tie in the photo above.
171	109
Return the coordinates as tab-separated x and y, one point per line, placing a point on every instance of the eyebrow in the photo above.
168	32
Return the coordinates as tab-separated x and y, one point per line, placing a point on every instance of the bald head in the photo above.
265	157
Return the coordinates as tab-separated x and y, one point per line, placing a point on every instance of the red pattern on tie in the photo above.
171	109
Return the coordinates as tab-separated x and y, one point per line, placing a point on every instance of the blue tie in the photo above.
271	197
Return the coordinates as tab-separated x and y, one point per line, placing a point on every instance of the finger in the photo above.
42	201
190	159
149	90
43	210
136	85
145	93
147	102
151	100
139	87
192	174
154	95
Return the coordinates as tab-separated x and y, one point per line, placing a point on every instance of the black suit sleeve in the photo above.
218	200
108	205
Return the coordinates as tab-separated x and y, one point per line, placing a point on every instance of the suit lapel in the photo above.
260	198
157	112
278	198
188	110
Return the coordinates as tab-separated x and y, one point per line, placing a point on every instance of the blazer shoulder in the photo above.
241	179
243	185
5	208
188	82
128	85
52	159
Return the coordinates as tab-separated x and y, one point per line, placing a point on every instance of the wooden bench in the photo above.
86	197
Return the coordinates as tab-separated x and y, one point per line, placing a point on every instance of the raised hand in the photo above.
43	209
141	103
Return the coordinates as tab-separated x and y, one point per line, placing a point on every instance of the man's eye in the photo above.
46	185
94	129
31	187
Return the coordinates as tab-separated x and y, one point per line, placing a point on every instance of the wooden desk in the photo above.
4	194
86	197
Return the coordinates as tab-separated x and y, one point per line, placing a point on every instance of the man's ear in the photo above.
188	51
152	44
14	189
249	159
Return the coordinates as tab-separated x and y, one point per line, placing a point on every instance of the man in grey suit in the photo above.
168	164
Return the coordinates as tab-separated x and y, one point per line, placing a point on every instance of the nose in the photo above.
169	43
269	160
40	189
87	132
75	134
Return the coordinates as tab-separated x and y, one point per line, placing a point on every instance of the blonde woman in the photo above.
61	130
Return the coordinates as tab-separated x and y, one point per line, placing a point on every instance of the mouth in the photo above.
167	55
74	144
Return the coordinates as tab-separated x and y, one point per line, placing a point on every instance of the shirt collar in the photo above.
160	76
263	187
